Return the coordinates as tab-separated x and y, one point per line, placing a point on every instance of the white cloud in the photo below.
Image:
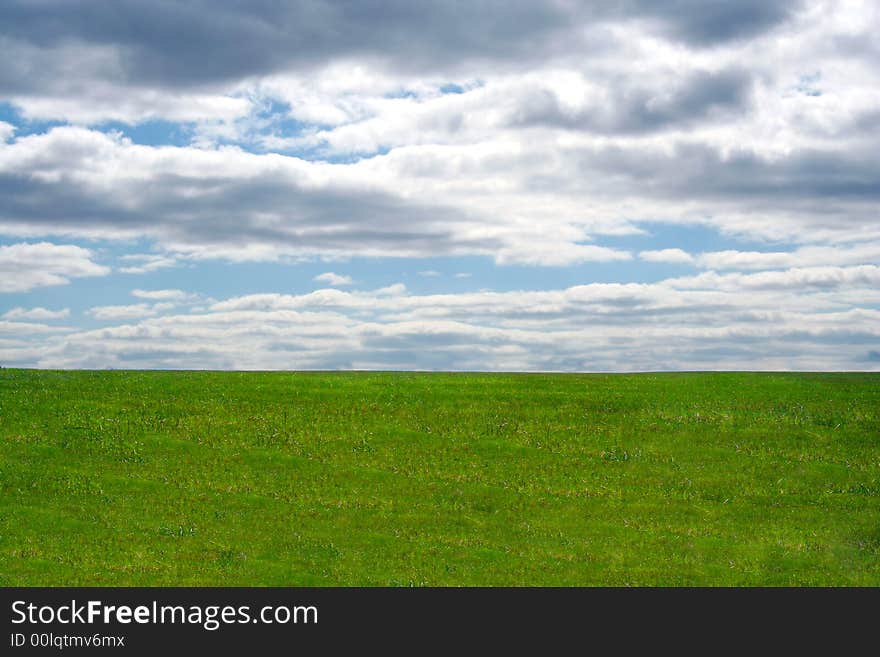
732	259
672	256
107	103
6	131
394	290
333	279
145	263
798	278
29	330
819	318
25	266
805	256
36	313
163	295
132	311
429	273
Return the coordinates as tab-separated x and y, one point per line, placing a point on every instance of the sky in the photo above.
495	185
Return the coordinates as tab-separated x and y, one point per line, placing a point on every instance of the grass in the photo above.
207	478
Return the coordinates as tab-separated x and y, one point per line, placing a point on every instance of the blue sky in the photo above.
532	186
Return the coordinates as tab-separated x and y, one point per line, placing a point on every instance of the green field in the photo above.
208	478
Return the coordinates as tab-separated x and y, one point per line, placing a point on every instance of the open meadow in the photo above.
210	478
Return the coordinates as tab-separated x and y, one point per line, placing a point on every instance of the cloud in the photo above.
133	42
282	205
148	263
6	131
87	63
429	273
25	266
394	290
671	256
36	313
796	278
677	101
29	330
795	320
335	280
133	311
804	256
710	23
163	295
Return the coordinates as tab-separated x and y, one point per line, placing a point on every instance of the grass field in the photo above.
206	478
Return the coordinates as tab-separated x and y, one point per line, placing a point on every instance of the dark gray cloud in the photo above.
165	43
697	170
213	211
706	22
184	44
629	109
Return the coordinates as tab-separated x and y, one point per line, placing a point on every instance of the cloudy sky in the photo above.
508	185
